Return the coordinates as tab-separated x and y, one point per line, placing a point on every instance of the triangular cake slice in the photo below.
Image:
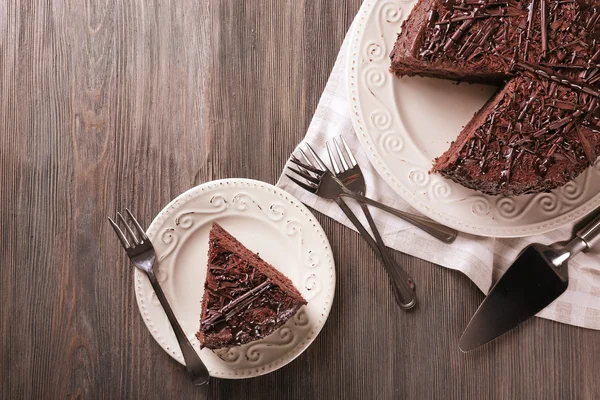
245	298
534	135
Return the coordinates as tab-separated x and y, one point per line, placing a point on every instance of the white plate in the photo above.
268	221
403	124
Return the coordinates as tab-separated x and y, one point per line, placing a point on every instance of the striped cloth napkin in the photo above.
482	259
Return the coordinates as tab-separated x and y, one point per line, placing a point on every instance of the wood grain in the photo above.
108	104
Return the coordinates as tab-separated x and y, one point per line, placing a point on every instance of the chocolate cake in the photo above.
245	298
541	129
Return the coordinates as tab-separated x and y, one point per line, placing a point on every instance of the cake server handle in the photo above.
439	231
590	233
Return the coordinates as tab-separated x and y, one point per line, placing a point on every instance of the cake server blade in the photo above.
534	280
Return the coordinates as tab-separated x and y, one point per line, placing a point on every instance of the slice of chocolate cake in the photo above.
245	298
541	129
533	135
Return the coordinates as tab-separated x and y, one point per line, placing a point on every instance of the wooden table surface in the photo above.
108	104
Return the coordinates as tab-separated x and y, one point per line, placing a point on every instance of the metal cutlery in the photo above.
324	184
537	278
142	255
353	178
352	173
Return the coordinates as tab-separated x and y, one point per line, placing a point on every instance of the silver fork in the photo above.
142	255
326	185
353	178
353	181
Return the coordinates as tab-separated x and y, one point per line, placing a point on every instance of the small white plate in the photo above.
268	221
403	124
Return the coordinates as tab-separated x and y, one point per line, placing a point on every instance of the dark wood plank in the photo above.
105	105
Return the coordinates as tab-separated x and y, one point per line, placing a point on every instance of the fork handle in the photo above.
402	284
193	363
439	231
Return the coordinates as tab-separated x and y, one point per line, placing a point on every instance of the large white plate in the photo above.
403	124
268	221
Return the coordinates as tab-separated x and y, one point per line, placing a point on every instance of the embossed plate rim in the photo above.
476	213
321	304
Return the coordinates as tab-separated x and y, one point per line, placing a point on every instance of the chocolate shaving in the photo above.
563	105
471	17
529	25
236	305
459	32
553	77
432	17
505	174
594	57
587	147
592	20
558	65
544	27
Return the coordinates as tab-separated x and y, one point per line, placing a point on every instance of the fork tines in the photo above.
348	161
305	166
122	237
307	169
305	175
303	185
350	155
320	162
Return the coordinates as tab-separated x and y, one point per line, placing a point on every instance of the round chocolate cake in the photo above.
542	128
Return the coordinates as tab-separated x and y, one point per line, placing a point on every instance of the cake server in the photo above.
538	276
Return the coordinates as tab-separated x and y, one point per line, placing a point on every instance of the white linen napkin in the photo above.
482	259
